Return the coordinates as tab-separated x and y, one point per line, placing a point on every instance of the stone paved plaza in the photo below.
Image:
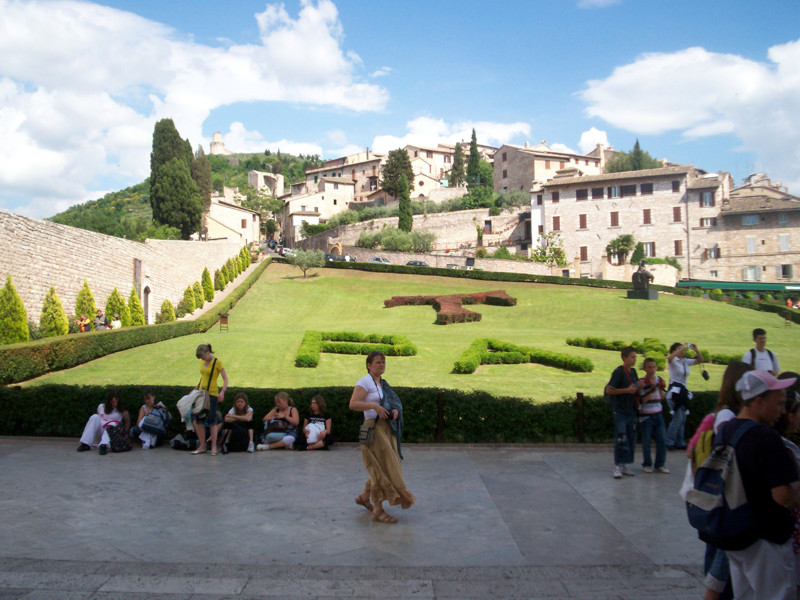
490	522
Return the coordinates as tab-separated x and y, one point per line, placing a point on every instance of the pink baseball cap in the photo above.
756	383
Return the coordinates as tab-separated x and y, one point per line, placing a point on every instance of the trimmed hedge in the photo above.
467	417
650	348
19	362
485	351
450	307
349	342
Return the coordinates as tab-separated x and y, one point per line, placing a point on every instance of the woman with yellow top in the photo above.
210	370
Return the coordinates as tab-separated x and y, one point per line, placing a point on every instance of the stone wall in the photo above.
38	254
453	230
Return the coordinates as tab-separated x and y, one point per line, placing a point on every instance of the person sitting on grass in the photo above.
317	426
238	426
280	424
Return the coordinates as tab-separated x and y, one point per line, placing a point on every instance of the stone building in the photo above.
218	146
269	183
363	169
332	195
760	223
525	168
673	211
38	254
228	220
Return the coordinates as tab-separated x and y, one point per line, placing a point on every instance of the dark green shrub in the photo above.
349	342
13	316
485	351
219	280
53	320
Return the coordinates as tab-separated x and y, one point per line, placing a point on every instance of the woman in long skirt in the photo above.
384	412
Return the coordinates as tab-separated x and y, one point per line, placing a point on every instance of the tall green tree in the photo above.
175	198
485	174
219	280
13	316
621	246
635	160
188	300
201	174
208	285
135	308
473	165
53	320
457	172
84	303
115	305
405	219
167	144
199	297
397	163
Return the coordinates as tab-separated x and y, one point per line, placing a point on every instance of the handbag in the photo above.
156	421
119	438
277	426
366	434
206	394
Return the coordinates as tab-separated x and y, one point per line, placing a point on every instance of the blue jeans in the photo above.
624	437
654	427
675	432
718	572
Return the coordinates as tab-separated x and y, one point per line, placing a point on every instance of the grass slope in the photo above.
267	326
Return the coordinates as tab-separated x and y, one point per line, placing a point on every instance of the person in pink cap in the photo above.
765	568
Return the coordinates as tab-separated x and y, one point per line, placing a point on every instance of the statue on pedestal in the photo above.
642	278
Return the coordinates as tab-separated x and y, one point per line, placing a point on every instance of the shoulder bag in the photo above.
206	393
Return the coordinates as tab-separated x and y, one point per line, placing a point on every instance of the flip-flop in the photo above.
383	517
365	503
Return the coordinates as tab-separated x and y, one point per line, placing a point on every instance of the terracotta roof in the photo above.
342	180
705	183
623	175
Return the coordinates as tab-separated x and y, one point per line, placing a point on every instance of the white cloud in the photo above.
590	139
426	131
702	93
81	86
382	72
597	3
240	139
562	148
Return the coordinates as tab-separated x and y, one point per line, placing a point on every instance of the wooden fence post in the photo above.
581	418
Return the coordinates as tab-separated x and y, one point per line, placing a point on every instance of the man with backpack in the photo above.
764	569
760	357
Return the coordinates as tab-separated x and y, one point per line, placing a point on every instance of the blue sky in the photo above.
715	84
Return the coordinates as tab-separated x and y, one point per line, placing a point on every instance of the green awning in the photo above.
741	285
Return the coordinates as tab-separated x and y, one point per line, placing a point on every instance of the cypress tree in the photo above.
473	166
219	281
397	163
135	308
13	316
84	304
405	221
208	285
53	320
456	177
199	299
115	305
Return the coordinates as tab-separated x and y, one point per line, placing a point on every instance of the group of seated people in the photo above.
110	428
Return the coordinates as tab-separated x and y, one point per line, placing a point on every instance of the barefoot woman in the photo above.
383	411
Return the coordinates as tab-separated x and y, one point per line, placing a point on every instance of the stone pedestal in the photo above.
642	295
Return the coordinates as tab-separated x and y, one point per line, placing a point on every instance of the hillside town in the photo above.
712	229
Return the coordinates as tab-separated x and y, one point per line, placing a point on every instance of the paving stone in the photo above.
312	588
172	585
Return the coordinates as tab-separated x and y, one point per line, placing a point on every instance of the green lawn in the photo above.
267	326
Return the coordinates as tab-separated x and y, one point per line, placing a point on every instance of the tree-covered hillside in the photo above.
128	213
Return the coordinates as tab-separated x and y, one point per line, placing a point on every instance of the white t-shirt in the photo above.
763	360
723	416
679	370
233	410
113	416
374	394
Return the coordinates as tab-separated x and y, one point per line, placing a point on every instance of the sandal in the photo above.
365	503
383	517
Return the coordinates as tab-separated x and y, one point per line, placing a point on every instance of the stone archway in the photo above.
336	248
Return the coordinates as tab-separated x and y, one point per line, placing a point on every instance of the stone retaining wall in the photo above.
38	254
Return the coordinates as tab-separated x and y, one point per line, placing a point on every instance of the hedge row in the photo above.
349	342
485	351
20	362
651	348
467	417
450	307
